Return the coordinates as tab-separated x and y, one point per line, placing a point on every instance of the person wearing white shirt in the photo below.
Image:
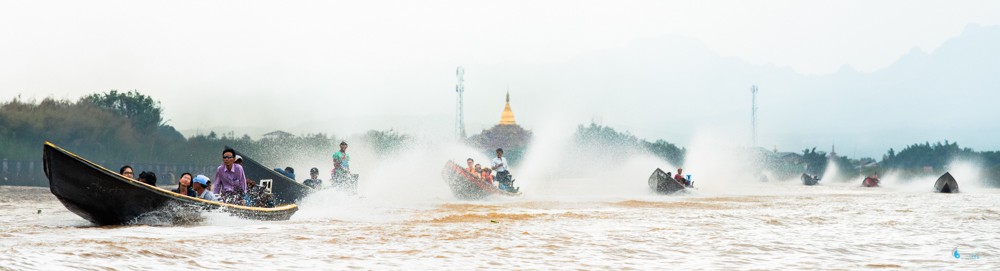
503	172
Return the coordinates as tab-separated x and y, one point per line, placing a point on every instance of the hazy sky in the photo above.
323	66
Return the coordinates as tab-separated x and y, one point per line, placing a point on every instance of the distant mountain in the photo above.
683	87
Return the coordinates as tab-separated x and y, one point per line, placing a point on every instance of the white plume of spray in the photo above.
407	178
832	173
556	166
968	174
717	166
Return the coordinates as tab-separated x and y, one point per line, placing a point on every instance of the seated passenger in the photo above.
239	161
471	168
257	196
487	175
680	178
201	185
127	172
314	181
288	172
478	170
184	184
148	177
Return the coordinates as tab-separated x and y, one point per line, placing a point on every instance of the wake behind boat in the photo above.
662	183
466	186
104	197
946	184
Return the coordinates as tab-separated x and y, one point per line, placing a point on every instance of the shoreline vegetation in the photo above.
115	127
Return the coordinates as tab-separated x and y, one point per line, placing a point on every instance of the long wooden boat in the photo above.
466	186
663	183
946	184
285	189
870	182
105	197
809	180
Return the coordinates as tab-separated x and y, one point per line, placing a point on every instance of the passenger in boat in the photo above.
342	165
680	178
288	172
126	171
200	185
471	168
148	177
231	183
487	176
184	184
239	161
503	172
258	196
314	181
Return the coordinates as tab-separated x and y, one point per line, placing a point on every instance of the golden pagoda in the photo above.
507	117
507	135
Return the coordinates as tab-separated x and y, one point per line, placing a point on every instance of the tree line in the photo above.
115	127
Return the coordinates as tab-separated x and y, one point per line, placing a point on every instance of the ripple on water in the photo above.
669	205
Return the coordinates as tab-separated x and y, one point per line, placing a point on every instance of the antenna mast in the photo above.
753	116
459	108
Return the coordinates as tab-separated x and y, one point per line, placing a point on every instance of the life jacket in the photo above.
487	177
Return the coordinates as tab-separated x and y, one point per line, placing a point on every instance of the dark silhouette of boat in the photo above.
466	186
284	189
946	184
105	197
663	183
809	179
871	182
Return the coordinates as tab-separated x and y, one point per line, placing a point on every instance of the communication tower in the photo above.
753	116
459	107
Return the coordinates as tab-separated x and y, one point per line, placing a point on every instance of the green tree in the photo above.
141	110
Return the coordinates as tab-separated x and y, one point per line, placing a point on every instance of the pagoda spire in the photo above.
507	117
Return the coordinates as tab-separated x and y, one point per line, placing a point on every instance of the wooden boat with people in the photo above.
285	189
662	183
946	184
870	182
464	185
105	197
809	180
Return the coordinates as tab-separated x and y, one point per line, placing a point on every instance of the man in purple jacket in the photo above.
230	183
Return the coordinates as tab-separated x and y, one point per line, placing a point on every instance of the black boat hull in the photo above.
285	190
662	183
104	197
466	186
946	184
809	180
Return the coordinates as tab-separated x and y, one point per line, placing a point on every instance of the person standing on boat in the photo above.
231	183
503	172
200	185
342	165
